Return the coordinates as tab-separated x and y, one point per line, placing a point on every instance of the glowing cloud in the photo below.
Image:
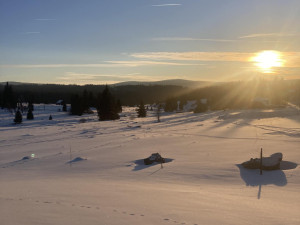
107	64
268	35
290	59
85	78
190	39
266	60
195	56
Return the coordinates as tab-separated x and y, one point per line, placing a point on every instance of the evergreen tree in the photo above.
30	106
30	115
85	101
64	107
119	106
18	117
106	106
9	100
171	105
141	110
201	108
91	100
76	105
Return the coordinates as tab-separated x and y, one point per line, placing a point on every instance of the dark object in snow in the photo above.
18	117
30	115
155	157
25	158
77	159
268	163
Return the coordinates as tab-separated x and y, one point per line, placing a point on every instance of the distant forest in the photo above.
219	96
129	95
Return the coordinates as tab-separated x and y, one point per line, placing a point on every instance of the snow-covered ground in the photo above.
107	183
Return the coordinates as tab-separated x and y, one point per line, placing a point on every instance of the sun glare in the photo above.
267	60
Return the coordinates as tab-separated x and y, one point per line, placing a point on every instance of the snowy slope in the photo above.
202	182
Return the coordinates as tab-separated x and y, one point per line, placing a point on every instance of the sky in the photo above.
110	41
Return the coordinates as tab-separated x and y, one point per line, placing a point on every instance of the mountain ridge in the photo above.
174	82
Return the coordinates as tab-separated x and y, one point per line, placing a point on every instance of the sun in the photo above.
267	60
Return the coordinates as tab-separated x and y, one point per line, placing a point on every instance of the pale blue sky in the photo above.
106	41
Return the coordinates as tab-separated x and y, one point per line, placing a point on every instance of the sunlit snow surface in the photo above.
77	170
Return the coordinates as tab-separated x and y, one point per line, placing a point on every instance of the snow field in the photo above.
201	185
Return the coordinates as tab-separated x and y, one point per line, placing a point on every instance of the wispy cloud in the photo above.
292	59
145	63
85	78
191	39
269	35
49	65
32	32
107	64
194	56
44	19
164	5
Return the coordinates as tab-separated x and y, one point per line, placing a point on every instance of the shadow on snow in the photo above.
139	164
252	177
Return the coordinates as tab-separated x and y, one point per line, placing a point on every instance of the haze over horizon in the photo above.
99	42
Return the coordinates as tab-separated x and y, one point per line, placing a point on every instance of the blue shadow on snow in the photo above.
139	164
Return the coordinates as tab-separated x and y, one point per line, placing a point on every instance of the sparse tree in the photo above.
158	112
30	115
18	117
141	110
30	106
64	108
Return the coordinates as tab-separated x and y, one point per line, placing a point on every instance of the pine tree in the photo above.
201	107
76	105
85	101
9	100
141	110
64	107
171	105
106	106
119	106
30	115
91	99
18	117
30	106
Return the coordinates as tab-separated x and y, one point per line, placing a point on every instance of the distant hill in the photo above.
176	82
13	83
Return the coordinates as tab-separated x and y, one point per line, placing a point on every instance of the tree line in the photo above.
129	95
107	100
240	95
